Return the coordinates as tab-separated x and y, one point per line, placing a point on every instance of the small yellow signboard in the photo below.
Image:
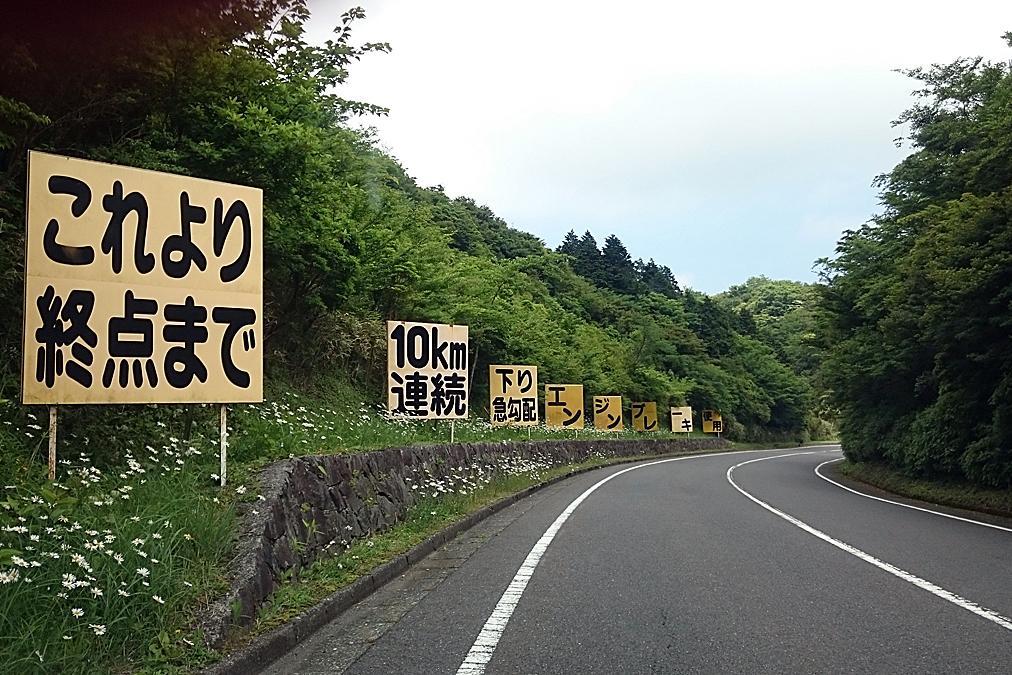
427	374
712	422
681	419
564	406
644	416
513	395
608	413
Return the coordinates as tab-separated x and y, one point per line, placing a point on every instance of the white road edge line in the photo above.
908	506
924	584
484	645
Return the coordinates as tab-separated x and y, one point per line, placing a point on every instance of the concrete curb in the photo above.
266	649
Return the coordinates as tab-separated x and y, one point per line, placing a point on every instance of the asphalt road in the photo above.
670	568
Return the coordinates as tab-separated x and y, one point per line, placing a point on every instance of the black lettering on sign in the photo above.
131	339
525	380
412	394
179	252
55	251
65	324
235	319
418	347
120	207
184	326
458	355
222	226
504	374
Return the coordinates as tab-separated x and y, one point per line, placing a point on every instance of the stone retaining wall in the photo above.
314	503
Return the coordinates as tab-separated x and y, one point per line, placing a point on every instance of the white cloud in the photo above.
660	121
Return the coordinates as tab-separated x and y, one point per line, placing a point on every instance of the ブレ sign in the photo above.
513	395
681	419
140	286
644	416
564	406
427	370
608	413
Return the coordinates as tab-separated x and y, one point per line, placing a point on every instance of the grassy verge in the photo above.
947	493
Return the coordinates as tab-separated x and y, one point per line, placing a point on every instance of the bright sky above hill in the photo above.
725	139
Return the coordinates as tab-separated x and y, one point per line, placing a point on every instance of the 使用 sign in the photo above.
644	416
713	423
140	286
427	374
608	413
681	419
513	395
564	406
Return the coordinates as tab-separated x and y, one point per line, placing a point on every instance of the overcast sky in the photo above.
722	139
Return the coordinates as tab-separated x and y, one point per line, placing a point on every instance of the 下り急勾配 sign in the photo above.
513	395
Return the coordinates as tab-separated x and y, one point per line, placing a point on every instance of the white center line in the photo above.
488	639
934	589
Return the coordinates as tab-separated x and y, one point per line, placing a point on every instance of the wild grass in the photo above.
944	492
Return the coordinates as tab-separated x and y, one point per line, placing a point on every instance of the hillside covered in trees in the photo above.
233	92
918	303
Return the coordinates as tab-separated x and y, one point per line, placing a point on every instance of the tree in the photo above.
617	270
657	278
570	244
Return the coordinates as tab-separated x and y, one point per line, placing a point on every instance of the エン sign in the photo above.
564	406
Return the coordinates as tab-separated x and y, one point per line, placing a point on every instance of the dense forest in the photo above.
918	301
232	91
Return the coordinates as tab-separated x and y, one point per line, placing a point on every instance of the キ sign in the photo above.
513	395
564	406
140	286
427	370
608	413
712	422
644	416
681	419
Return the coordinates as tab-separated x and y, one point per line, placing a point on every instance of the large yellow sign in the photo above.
644	416
140	286
513	395
564	406
681	419
427	370
712	422
608	413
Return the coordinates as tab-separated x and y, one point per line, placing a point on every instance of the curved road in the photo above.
737	562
